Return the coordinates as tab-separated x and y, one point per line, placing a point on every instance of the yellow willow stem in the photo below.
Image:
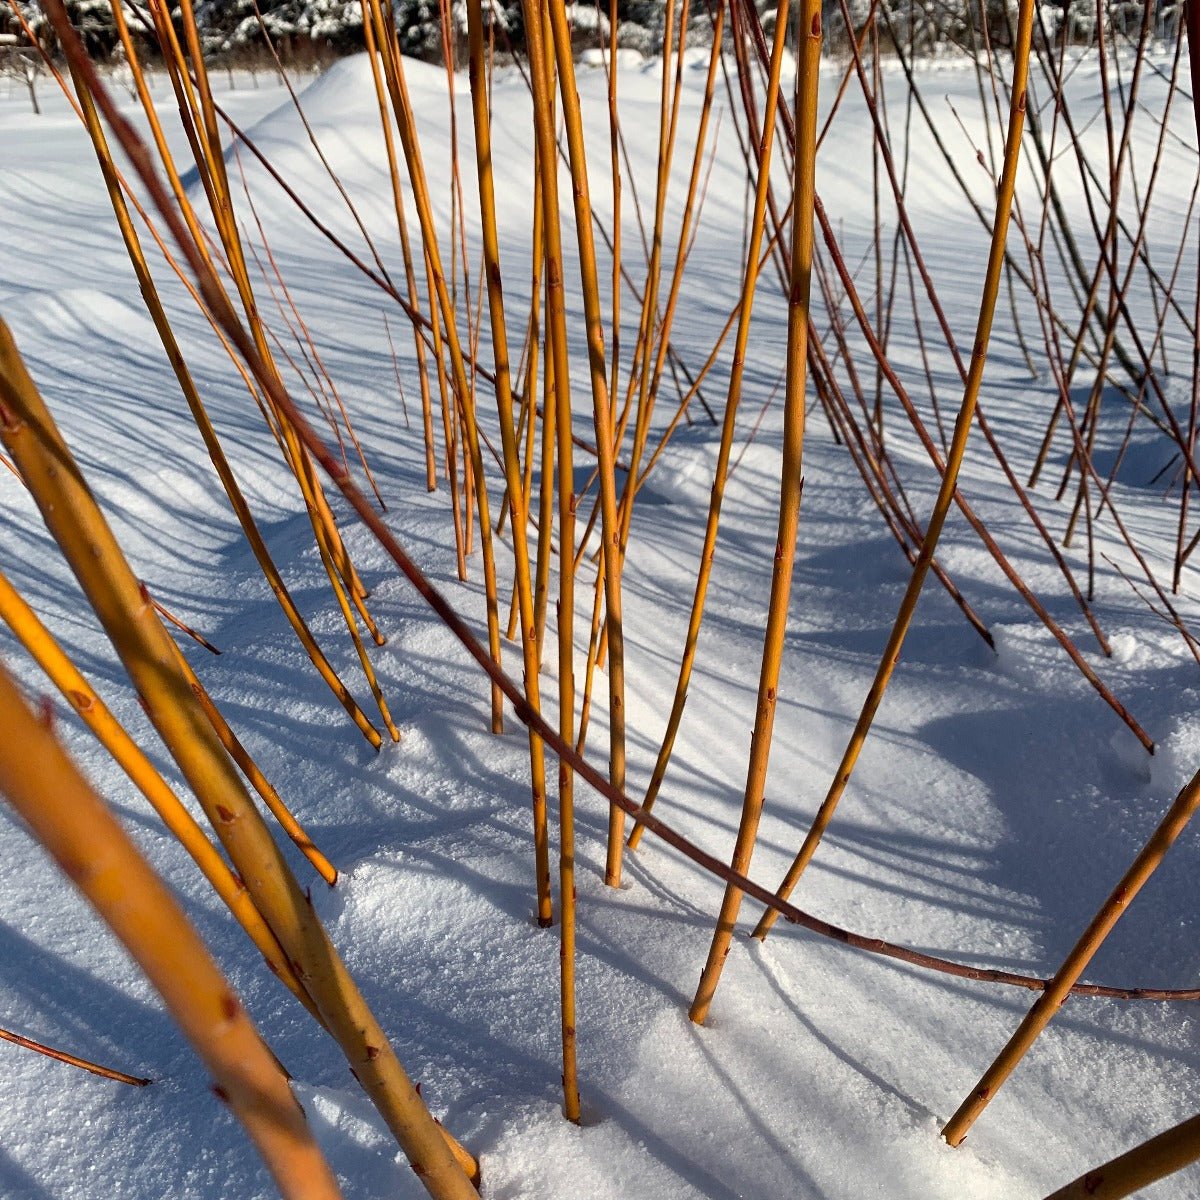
212	444
808	69
945	497
685	225
603	421
541	67
402	107
329	541
668	123
329	557
389	142
261	784
204	136
744	311
1049	1002
614	160
541	591
1138	1168
512	453
151	112
84	838
75	522
111	734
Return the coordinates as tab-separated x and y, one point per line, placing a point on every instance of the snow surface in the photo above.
995	805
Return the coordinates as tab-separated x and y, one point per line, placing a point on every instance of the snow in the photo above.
995	805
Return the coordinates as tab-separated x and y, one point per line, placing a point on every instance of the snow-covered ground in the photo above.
995	805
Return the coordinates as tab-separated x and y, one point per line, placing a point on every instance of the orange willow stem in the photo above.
329	558
541	589
791	483
603	420
198	111
614	160
744	311
228	320
541	68
530	390
690	203
151	112
150	658
212	444
402	108
72	1060
512	453
211	164
303	336
261	784
954	458
84	838
667	124
1038	1017
1138	1168
109	732
389	142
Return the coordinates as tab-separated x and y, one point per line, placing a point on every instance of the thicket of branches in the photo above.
302	28
1094	309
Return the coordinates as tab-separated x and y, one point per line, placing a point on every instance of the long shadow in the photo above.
1068	845
84	1014
16	1183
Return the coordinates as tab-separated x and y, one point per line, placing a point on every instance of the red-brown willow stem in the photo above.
210	286
168	616
312	355
313	141
881	143
1192	16
73	1060
945	497
808	70
902	525
84	838
851	291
